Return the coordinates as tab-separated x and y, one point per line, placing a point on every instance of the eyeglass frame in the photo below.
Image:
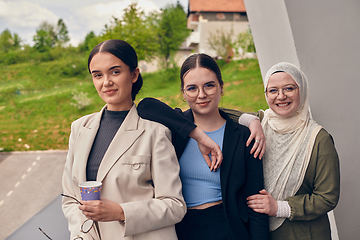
81	228
198	90
282	90
77	237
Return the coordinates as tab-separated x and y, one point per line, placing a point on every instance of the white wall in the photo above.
205	28
321	37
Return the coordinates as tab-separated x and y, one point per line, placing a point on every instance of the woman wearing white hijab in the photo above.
301	165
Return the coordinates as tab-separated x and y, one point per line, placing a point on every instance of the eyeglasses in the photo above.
193	90
288	91
86	226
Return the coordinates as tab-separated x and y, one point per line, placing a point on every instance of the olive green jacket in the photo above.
318	194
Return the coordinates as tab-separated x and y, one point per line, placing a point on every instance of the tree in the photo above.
226	45
222	42
245	41
136	29
16	40
89	42
48	36
45	37
172	31
9	41
62	36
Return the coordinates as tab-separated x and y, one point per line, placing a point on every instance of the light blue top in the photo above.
199	184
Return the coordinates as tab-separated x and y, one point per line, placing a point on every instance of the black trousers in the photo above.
205	224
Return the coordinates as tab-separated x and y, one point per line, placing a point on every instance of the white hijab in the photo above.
289	142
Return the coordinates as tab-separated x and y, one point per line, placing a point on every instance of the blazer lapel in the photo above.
85	141
123	139
231	137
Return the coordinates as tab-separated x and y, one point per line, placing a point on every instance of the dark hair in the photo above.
200	60
126	53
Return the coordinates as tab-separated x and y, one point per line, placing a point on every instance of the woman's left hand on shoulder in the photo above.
257	133
102	210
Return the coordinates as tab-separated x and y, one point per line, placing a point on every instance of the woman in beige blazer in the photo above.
133	158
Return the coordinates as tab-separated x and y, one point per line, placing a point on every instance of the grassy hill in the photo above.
38	100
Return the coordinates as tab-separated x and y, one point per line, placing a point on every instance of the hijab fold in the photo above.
289	142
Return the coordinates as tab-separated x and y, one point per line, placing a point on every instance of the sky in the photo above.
80	16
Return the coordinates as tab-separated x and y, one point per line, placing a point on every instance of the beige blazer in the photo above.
139	171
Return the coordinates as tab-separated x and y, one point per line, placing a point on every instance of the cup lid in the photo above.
88	184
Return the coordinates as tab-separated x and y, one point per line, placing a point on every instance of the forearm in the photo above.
321	189
74	217
155	110
258	222
232	113
259	226
197	134
152	214
246	119
167	207
310	206
70	207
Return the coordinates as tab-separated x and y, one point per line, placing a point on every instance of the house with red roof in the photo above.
208	16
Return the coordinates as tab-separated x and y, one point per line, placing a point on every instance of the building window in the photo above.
194	17
220	16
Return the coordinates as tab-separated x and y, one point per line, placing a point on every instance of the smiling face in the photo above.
283	105
202	104
113	80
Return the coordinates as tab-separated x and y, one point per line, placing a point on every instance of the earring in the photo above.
184	100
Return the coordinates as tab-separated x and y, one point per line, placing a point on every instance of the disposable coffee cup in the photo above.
90	190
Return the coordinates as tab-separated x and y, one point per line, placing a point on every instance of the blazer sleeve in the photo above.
320	190
155	110
254	182
234	115
70	208
167	206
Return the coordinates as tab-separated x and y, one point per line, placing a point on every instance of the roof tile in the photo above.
217	6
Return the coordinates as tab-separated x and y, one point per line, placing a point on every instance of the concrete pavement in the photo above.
28	182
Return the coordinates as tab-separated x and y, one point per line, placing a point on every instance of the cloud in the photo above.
24	17
25	14
148	6
94	17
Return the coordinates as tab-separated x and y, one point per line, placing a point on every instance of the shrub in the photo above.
81	100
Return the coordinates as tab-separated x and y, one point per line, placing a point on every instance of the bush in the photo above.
81	100
222	42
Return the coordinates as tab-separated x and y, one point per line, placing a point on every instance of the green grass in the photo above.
36	99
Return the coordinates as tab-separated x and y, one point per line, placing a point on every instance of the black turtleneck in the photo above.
109	124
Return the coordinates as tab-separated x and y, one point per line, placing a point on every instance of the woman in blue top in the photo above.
216	200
